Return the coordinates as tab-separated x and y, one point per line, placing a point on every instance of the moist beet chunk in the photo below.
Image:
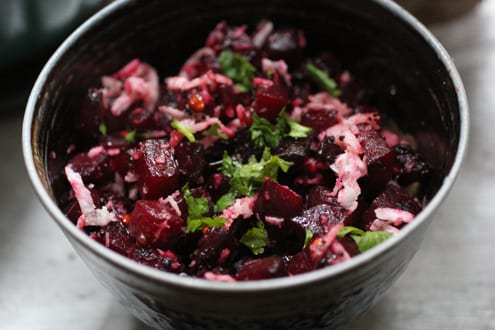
380	159
329	150
393	197
157	169
319	119
413	166
269	101
302	263
116	237
153	258
91	113
259	269
155	223
276	200
319	217
217	247
190	157
293	150
285	44
92	169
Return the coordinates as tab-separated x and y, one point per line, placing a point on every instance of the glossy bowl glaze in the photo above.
415	82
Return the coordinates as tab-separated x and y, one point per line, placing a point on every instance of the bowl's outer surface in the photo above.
415	82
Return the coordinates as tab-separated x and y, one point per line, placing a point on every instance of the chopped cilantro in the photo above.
264	134
309	236
225	201
364	240
255	238
246	178
297	130
183	129
213	130
131	136
238	68
102	128
322	79
198	224
196	207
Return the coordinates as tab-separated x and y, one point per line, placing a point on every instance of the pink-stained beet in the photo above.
261	269
274	199
158	169
270	100
155	223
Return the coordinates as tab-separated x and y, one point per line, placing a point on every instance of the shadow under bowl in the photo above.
415	83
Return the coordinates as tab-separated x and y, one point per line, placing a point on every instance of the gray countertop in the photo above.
450	284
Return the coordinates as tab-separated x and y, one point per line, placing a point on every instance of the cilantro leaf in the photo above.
371	239
297	130
255	238
238	68
102	128
200	223
264	134
213	130
225	201
183	129
364	240
131	136
322	79
196	207
246	178
307	239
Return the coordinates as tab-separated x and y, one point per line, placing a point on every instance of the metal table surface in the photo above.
450	284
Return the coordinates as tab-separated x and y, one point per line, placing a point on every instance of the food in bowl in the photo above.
256	161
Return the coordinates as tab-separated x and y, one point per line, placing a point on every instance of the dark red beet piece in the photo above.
394	197
91	113
320	195
320	217
259	269
287	238
293	150
413	166
349	245
116	237
319	119
302	263
217	247
379	157
157	169
93	169
153	258
329	150
190	156
155	223
269	101
276	200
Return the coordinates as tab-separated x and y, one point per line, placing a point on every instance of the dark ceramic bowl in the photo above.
415	82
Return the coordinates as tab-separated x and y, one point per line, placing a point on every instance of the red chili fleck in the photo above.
126	219
196	103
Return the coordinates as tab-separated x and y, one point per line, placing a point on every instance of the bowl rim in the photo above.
208	286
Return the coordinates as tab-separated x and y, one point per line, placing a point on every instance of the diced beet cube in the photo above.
392	197
302	263
274	199
190	157
217	247
318	218
349	245
93	169
320	195
122	162
259	269
141	119
157	169
91	113
153	258
269	101
287	238
293	150
379	158
73	211
413	166
155	223
319	119
116	237
329	150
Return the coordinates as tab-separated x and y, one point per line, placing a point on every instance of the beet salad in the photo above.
255	161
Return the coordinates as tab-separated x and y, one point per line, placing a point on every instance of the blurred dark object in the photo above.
29	32
434	11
